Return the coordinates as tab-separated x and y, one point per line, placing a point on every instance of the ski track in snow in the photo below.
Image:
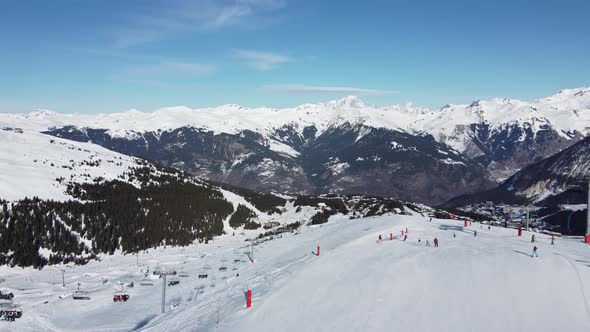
483	283
580	282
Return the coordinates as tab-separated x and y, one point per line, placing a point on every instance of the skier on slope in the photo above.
405	237
435	242
427	243
474	233
552	240
535	254
533	238
454	235
489	227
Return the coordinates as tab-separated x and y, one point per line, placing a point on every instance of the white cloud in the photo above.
302	89
261	60
181	16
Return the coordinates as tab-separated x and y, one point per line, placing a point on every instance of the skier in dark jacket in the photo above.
474	233
435	242
533	238
535	252
552	240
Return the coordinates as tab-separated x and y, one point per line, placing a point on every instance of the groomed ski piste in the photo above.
487	282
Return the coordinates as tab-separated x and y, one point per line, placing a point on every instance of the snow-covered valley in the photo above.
487	282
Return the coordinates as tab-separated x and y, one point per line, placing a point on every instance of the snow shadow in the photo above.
522	253
143	322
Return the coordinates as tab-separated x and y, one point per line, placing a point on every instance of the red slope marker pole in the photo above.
248	298
318	251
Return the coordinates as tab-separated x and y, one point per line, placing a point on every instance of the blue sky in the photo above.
108	56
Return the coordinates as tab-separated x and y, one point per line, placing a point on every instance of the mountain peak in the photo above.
42	112
475	103
349	102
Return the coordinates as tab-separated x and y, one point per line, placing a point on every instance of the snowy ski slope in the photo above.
31	163
483	283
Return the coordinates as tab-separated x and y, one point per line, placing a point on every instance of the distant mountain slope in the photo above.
300	150
558	184
553	175
540	181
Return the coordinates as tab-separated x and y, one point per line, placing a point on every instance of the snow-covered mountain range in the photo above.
564	112
340	146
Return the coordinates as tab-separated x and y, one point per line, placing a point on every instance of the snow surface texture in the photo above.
31	163
567	112
484	283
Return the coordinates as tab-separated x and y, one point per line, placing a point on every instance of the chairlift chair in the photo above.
80	295
120	296
146	282
11	312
